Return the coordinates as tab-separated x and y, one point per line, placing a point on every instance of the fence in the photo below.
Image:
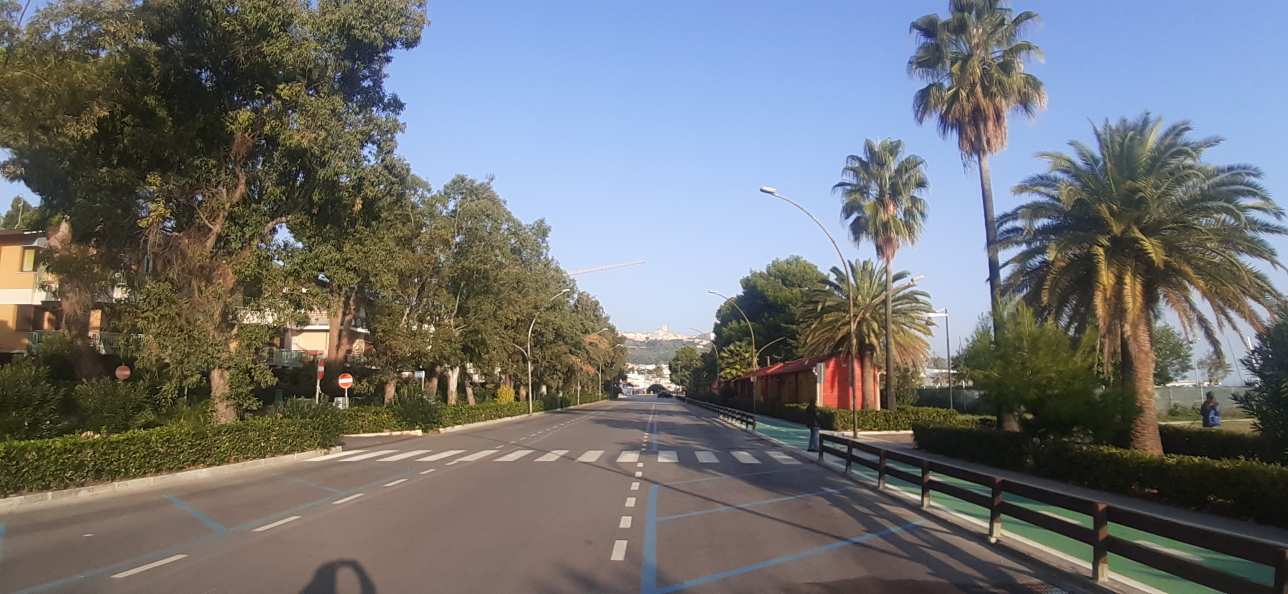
734	415
1102	514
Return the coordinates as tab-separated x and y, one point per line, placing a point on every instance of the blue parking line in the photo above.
210	522
721	508
1	541
648	573
309	483
783	559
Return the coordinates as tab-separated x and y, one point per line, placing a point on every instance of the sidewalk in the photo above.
1135	574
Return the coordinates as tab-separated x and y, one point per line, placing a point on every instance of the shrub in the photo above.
368	419
505	394
836	419
416	413
1210	443
1003	449
73	461
109	406
30	406
1268	400
324	416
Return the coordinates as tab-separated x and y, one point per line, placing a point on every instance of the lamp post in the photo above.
754	353
948	350
849	294
599	389
762	349
527	354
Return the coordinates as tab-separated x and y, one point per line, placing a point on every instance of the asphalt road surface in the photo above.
642	495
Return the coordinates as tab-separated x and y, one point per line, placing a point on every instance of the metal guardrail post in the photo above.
881	470
1100	549
820	451
995	512
925	483
849	456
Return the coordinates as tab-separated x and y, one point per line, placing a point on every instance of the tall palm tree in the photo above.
1134	223
882	203
826	319
973	65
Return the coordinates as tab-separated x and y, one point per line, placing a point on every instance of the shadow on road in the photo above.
327	579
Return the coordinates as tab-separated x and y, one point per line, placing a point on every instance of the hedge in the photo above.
1212	443
74	461
836	419
1243	489
371	419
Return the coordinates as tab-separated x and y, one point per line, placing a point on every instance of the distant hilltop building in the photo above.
664	333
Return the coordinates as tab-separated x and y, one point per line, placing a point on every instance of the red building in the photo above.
826	379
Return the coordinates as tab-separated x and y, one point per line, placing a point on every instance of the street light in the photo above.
849	294
527	354
762	349
948	349
754	353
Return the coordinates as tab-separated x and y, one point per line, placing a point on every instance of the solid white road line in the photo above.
625	522
402	456
336	455
630	502
552	456
619	551
397	482
783	457
276	524
744	457
628	457
590	456
368	455
707	457
346	499
668	456
173	558
426	471
475	456
439	456
635	485
512	456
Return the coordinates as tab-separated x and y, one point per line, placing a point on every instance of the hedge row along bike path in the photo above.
1130	572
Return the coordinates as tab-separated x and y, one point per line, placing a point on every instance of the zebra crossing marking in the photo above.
335	455
667	457
473	457
402	456
367	455
552	456
782	457
590	456
628	456
512	456
744	457
706	457
440	456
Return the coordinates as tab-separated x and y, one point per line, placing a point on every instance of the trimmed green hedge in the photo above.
1243	489
836	419
371	419
73	461
1214	443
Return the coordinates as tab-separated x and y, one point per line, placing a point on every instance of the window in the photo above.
29	259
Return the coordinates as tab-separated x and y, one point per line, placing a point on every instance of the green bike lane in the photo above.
1135	574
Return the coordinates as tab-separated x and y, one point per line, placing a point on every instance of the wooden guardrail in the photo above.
746	419
1102	514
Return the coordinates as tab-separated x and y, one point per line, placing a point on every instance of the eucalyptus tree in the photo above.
973	63
881	198
1134	223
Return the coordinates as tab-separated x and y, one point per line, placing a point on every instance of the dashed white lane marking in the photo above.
628	457
668	456
638	474
427	471
639	465
619	551
475	456
276	524
402	456
744	457
173	558
630	502
397	482
707	457
625	522
512	456
336	455
590	456
783	457
552	456
368	455
635	485
439	456
347	499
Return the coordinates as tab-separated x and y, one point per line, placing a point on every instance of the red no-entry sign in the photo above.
345	381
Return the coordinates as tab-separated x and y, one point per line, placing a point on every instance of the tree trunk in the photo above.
391	390
431	391
1138	377
469	389
523	393
868	371
76	296
220	396
453	376
990	235
889	340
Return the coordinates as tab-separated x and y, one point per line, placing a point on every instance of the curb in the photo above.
80	494
455	428
385	433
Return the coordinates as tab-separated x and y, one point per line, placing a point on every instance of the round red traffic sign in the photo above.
345	381
122	373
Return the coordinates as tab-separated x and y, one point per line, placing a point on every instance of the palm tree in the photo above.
881	201
826	319
1135	223
973	65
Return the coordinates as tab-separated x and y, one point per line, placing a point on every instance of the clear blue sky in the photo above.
643	130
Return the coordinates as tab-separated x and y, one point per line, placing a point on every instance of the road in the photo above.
641	495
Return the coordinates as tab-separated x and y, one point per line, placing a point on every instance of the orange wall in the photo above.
11	276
